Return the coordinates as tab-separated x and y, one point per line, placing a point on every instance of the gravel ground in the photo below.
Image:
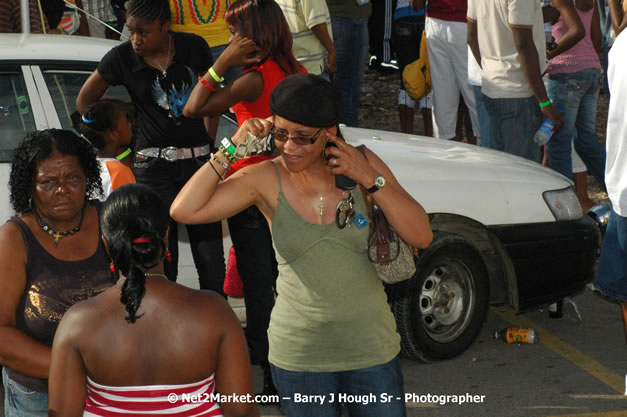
378	109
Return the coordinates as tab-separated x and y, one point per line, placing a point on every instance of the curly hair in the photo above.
134	221
35	148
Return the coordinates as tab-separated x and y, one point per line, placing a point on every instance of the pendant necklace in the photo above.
321	205
59	235
164	71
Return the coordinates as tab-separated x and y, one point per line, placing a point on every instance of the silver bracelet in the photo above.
223	164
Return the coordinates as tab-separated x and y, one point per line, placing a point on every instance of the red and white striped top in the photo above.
188	400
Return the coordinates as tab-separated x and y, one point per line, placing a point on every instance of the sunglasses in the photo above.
299	140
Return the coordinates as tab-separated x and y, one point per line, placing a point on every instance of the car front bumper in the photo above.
551	260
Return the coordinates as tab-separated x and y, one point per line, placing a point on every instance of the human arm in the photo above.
417	5
322	33
233	375
91	91
473	40
595	30
203	102
403	212
204	200
67	384
617	15
83	27
575	31
18	351
530	63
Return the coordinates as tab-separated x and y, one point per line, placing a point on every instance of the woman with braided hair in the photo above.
155	340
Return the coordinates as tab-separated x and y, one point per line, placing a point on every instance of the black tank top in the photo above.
52	287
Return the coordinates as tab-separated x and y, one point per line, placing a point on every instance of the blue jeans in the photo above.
611	278
233	72
350	36
257	268
577	94
484	117
374	391
513	122
20	401
606	31
167	179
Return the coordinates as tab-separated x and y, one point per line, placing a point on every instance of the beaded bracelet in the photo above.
215	75
221	163
545	104
206	84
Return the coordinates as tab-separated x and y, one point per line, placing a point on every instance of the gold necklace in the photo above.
321	205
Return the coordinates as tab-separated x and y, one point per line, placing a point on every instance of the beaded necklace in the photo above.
59	235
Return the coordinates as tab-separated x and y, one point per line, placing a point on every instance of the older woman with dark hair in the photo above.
156	341
51	258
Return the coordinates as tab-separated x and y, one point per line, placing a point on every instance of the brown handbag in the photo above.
393	259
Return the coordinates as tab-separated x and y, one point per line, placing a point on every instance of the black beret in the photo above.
308	100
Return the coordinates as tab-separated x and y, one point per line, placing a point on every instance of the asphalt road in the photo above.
576	370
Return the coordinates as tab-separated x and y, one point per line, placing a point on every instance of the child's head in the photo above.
263	22
105	125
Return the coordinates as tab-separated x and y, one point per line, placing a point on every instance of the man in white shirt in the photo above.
507	38
611	277
310	24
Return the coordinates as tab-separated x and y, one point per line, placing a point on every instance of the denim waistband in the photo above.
579	75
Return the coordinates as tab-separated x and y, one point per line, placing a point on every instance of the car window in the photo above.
16	118
64	87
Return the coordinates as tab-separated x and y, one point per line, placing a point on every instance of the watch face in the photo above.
379	181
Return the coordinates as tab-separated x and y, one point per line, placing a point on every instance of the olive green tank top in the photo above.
331	313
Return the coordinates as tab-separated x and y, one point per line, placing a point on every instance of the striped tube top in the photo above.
185	400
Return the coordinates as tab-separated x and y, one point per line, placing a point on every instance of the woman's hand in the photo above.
240	52
256	127
347	160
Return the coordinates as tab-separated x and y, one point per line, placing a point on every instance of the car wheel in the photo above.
440	311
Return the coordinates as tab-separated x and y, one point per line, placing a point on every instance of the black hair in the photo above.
98	119
134	211
35	148
149	10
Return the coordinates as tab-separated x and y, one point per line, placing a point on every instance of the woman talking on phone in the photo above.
331	329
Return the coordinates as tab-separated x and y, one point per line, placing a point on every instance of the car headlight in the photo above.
564	204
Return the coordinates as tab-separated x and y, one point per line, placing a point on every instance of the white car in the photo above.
507	231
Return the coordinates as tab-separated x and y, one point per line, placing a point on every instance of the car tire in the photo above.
440	311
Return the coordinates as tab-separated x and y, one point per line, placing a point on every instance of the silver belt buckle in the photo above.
170	153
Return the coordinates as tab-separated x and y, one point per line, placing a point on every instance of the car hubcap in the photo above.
446	301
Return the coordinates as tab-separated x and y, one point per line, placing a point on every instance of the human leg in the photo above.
611	277
350	36
20	401
565	96
445	92
484	117
257	267
380	389
294	386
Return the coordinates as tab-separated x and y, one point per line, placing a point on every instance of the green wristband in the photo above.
124	154
228	145
545	104
227	154
215	75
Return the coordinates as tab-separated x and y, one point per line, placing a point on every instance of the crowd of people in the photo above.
96	229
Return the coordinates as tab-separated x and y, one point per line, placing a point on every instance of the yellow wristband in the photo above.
215	75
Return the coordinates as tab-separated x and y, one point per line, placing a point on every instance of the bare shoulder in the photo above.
12	244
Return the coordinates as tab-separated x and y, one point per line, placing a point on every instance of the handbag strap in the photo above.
367	197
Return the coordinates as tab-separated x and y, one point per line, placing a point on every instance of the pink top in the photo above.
581	56
195	399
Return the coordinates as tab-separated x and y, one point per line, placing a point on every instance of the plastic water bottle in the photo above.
516	335
542	135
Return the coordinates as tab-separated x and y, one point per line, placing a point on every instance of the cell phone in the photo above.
341	181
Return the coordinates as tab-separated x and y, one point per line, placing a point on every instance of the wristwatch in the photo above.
379	182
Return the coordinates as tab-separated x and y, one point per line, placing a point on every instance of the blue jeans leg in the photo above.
350	36
373	391
257	266
611	277
576	94
513	122
167	179
20	401
484	117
